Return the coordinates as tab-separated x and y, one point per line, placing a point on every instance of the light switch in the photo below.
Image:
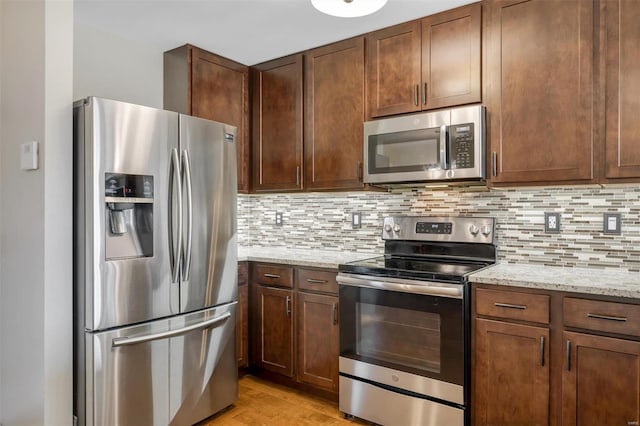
612	223
29	156
356	220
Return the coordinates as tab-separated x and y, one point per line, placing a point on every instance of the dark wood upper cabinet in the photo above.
622	89
199	83
427	64
277	125
601	381
334	115
451	63
539	90
393	70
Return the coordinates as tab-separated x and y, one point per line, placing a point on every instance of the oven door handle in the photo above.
454	291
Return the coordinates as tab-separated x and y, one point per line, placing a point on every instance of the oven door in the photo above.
404	334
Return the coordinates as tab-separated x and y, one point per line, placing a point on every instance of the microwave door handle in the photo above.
444	142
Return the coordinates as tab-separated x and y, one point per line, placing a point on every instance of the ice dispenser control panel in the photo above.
129	216
129	186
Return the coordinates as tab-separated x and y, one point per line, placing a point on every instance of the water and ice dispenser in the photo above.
128	216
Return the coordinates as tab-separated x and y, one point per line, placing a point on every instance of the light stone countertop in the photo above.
300	257
608	282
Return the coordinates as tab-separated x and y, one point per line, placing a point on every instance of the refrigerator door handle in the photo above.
125	341
186	259
174	252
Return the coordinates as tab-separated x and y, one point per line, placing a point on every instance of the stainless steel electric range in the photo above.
404	322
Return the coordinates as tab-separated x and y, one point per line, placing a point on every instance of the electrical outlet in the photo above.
552	222
278	218
356	220
612	223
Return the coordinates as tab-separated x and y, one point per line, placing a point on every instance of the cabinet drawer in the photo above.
273	275
513	305
610	317
311	279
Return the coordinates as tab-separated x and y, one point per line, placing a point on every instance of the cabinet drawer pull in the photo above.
288	306
314	281
335	313
416	89
271	276
510	306
568	354
542	351
607	317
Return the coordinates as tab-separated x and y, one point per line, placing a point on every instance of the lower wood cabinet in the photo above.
294	320
242	319
275	329
600	381
512	374
318	340
554	358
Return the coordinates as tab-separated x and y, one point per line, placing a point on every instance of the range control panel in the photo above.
450	229
434	227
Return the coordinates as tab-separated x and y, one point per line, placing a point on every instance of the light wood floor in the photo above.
268	404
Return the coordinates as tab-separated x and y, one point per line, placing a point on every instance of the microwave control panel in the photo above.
462	143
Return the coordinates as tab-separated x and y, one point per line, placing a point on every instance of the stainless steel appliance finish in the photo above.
155	265
386	407
404	321
411	382
439	146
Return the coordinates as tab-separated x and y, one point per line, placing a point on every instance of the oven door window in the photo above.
414	333
408	151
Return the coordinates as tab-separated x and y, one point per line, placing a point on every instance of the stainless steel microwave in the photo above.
439	146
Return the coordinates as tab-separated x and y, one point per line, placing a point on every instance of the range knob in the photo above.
396	228
474	230
387	227
486	230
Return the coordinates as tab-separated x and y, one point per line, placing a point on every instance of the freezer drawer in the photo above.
175	371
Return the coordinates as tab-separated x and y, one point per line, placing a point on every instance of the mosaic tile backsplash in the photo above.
323	221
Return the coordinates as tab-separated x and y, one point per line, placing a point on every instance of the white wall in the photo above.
36	214
112	67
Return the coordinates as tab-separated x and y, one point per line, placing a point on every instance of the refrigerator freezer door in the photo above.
209	270
121	139
128	384
204	374
174	371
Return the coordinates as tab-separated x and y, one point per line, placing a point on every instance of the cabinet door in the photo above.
220	92
622	101
451	57
539	89
511	377
393	70
277	126
334	115
318	340
600	381
242	325
275	330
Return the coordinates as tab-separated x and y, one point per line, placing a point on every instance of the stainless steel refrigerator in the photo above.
155	275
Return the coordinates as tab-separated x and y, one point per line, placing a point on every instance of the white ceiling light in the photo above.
348	8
